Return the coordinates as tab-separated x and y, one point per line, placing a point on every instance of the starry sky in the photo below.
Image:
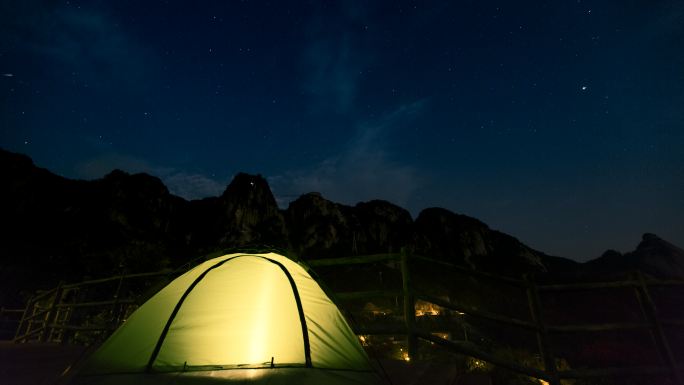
558	122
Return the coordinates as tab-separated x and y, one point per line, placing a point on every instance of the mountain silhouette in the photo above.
54	228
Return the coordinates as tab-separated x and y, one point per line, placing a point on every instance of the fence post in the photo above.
22	321
67	309
56	319
116	309
46	334
650	312
534	303
409	306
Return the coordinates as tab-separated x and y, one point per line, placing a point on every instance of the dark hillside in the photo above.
53	228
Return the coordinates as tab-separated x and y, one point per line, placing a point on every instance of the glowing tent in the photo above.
239	318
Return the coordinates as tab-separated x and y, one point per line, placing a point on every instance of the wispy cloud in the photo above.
193	186
84	39
333	74
333	61
182	183
364	169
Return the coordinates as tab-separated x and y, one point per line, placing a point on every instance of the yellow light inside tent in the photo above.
260	331
255	298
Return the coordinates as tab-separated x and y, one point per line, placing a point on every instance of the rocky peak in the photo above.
383	209
450	236
249	213
249	189
611	254
382	227
140	185
248	199
653	244
313	204
140	203
653	255
318	226
659	257
461	239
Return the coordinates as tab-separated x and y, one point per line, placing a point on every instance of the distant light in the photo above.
584	88
426	309
475	364
8	75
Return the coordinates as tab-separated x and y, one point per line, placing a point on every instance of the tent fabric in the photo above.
239	312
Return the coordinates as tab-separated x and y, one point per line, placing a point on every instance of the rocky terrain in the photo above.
53	228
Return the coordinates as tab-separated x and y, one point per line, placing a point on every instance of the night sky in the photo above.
559	122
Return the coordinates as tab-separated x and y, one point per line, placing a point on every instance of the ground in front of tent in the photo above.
44	364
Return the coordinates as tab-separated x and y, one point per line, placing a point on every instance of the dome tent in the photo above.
239	318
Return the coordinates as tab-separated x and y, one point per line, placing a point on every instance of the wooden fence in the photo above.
47	315
551	373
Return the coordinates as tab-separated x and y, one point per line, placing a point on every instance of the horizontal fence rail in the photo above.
473	312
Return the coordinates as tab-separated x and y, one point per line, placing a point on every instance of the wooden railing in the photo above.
47	315
538	325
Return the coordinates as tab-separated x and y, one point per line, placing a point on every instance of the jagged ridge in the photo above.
73	228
